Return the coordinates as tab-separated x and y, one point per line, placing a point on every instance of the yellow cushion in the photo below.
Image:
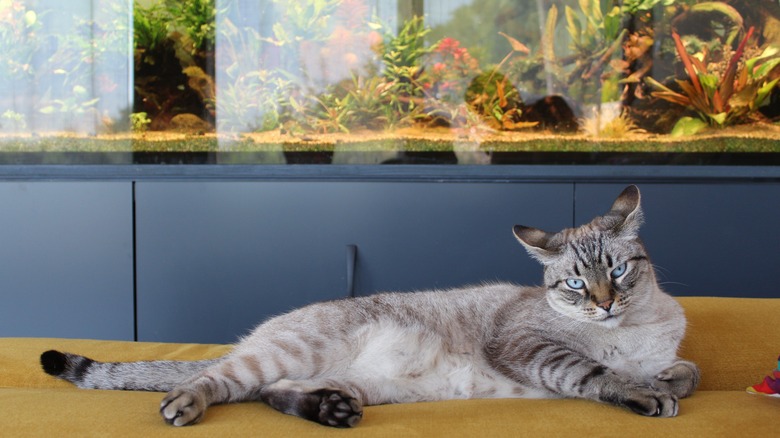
77	413
734	341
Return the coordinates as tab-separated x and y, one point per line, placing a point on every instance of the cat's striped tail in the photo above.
84	372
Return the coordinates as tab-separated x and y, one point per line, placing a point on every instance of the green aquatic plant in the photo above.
249	96
139	122
197	19
304	21
150	30
596	38
330	113
79	101
539	70
368	101
635	6
245	102
402	57
13	121
725	99
493	97
359	103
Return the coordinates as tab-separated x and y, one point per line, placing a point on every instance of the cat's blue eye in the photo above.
575	283
619	271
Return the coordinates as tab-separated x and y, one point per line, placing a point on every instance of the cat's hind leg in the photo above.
245	372
323	402
235	379
338	400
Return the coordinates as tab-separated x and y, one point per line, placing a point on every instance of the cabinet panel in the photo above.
216	258
423	235
713	240
66	260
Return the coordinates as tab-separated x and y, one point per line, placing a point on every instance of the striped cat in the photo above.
600	329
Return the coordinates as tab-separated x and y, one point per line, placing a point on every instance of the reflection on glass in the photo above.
371	81
65	66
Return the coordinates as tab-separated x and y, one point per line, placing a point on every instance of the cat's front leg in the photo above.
640	399
547	365
680	379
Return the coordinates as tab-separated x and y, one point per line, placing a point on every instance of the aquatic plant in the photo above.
402	58
359	103
367	101
304	20
617	127
450	70
197	19
497	101
596	38
139	122
18	27
635	6
13	121
725	99
710	20
249	96
540	70
150	30
330	114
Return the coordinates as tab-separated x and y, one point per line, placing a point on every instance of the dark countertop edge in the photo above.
399	173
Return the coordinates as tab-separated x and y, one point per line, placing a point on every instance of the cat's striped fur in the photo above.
600	329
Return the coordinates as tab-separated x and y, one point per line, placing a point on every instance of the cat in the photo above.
599	328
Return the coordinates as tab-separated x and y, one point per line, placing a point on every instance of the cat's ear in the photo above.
627	207
536	242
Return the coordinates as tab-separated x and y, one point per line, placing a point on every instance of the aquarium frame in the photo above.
396	173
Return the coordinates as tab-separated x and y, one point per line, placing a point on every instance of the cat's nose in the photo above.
606	305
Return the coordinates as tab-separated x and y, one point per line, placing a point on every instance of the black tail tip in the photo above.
53	362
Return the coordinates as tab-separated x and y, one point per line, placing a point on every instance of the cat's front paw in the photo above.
680	379
183	407
651	403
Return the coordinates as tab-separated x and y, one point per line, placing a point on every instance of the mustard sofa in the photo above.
735	341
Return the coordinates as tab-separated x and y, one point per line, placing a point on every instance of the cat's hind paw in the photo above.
182	407
337	409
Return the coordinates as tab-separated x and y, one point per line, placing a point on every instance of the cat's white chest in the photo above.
420	366
634	351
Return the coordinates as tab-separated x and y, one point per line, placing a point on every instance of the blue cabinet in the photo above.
66	260
205	261
216	258
704	239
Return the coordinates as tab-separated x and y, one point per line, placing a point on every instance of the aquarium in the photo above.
469	82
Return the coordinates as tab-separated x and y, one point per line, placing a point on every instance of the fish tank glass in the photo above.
369	82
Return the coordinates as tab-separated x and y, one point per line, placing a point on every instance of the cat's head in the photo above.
595	272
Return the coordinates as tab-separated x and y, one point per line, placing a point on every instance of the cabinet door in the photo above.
216	258
66	260
704	239
427	235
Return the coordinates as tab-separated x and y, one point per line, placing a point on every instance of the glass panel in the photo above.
65	77
393	81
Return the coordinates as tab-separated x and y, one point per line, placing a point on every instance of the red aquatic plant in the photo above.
726	98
